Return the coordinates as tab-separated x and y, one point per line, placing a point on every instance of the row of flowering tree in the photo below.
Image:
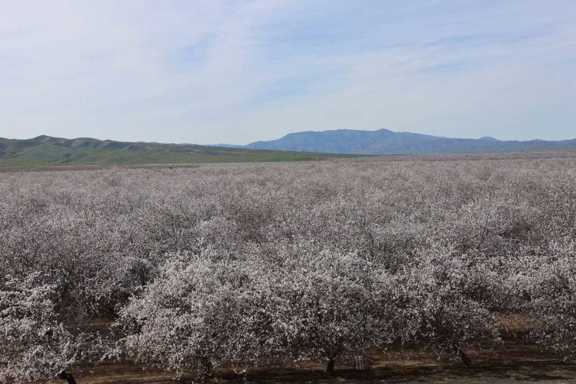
191	270
306	302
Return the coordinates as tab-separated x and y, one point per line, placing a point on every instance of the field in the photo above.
453	269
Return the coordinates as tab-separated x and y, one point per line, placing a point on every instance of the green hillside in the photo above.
45	151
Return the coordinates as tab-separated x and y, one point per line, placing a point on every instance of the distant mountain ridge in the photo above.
45	151
386	142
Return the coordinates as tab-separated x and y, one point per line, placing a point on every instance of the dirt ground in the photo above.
510	363
537	374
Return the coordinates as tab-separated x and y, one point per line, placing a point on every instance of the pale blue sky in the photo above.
236	71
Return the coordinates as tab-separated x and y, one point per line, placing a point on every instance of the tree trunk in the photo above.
464	358
330	366
66	376
206	369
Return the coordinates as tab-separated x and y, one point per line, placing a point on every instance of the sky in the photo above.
237	71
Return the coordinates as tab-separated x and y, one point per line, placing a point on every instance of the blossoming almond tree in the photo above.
326	304
553	301
33	345
451	319
188	320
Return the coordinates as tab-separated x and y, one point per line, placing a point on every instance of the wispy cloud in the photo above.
235	71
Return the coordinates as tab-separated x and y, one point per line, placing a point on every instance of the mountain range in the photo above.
47	151
386	142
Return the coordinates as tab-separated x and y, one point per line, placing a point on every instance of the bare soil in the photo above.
510	363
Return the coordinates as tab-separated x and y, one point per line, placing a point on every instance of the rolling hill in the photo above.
386	142
46	151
